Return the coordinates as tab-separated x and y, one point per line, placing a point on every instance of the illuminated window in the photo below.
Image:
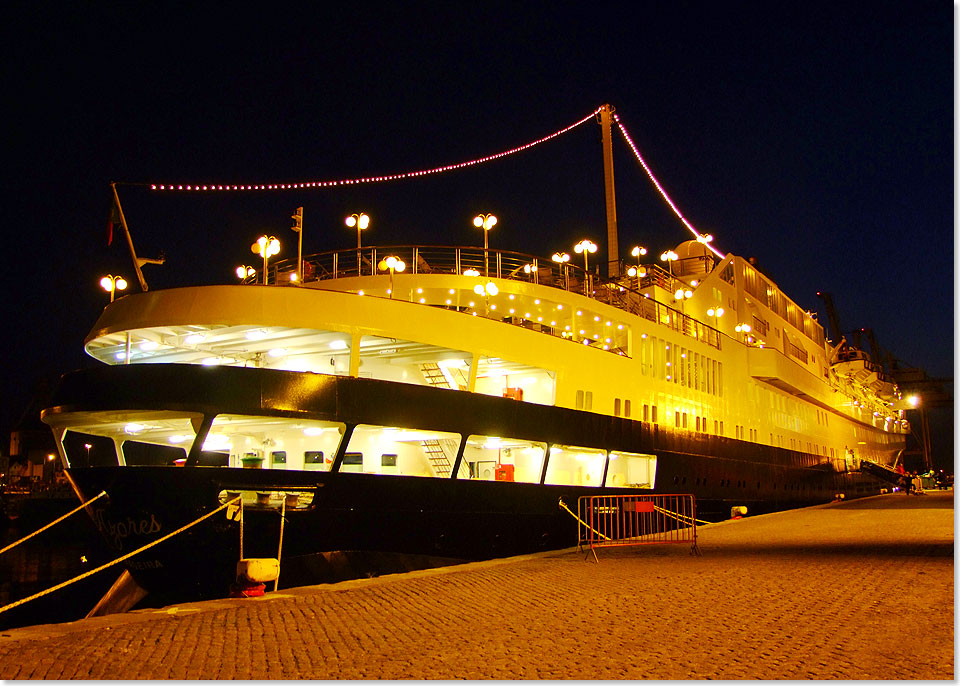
631	470
495	458
401	451
575	466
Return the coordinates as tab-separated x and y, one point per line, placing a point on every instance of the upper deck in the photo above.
557	299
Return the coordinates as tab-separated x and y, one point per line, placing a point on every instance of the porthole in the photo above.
676	480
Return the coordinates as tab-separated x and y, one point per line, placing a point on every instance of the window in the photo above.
402	451
352	462
301	443
152	454
575	466
496	458
155	438
631	470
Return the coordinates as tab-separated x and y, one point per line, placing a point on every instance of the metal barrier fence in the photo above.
619	520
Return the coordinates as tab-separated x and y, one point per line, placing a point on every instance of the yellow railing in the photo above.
623	292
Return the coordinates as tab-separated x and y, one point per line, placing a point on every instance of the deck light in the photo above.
485	222
393	264
638	271
245	270
669	257
266	247
586	246
361	221
111	284
562	258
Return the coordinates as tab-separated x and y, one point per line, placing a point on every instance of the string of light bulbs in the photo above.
646	168
445	168
366	179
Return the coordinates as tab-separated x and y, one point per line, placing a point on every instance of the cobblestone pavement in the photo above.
855	590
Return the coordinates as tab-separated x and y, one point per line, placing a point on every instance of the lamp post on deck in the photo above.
393	264
266	247
638	271
562	258
669	257
361	221
486	222
586	246
111	284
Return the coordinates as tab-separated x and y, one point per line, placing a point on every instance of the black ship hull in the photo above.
442	518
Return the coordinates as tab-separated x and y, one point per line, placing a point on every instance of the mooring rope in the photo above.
683	519
55	521
564	506
118	560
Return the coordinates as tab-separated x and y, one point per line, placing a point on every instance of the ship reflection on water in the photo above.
55	556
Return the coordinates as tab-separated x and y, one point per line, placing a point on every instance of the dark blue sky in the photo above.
815	136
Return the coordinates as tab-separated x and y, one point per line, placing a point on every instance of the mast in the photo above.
613	252
137	261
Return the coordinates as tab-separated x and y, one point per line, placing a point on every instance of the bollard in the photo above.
252	575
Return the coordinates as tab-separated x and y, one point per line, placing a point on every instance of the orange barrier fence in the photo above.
617	520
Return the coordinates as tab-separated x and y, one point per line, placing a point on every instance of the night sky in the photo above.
814	136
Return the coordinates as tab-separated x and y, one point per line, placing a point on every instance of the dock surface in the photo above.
862	589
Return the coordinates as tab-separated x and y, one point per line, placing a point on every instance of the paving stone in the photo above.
854	590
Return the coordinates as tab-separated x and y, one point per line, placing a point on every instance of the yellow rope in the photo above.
683	519
564	506
119	559
55	521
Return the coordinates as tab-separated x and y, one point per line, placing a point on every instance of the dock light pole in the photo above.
361	221
486	222
266	246
392	263
586	246
562	258
111	284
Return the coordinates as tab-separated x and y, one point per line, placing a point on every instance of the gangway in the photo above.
881	471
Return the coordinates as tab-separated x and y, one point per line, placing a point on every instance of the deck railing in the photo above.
622	292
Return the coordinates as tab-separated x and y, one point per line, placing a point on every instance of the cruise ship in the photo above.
445	400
